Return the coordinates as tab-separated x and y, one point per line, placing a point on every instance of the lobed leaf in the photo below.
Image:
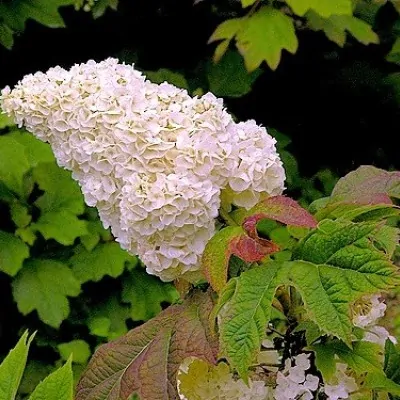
368	185
146	294
264	35
339	264
108	319
145	362
336	26
325	8
78	349
104	259
13	252
16	13
229	78
44	285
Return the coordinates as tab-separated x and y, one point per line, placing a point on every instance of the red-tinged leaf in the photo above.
252	250
278	208
145	361
216	256
368	185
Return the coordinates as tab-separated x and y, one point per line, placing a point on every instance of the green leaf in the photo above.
166	75
61	192
57	386
229	77
387	238
13	252
14	163
13	366
355	212
336	26
247	3
5	121
17	12
339	265
108	319
146	293
226	31
378	381
101	6
104	259
35	372
20	214
35	150
394	54
216	255
62	226
263	37
26	234
325	8
392	361
145	362
44	285
310	329
325	360
246	312
361	357
6	38
79	349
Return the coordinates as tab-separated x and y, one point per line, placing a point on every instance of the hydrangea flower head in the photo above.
150	157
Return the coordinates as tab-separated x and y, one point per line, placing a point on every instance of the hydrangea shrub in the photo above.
294	296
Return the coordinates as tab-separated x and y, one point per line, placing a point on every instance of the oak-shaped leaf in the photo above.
368	185
145	361
333	266
336	264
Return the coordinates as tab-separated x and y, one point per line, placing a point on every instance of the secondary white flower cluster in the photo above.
151	158
293	382
366	313
198	380
342	385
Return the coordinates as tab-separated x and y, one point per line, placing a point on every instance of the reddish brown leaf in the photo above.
278	208
146	360
368	185
252	250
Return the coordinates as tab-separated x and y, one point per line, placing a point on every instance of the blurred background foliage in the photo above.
322	75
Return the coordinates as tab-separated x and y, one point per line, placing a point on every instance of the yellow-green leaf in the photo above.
336	26
325	8
263	37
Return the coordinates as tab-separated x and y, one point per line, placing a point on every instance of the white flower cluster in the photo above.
198	380
151	158
342	385
293	382
366	313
